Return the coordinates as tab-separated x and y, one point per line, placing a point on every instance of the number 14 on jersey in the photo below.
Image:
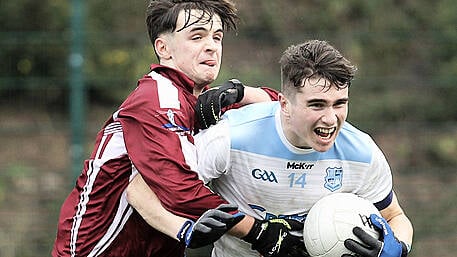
297	179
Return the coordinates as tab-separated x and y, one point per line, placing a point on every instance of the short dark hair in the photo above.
311	58
162	15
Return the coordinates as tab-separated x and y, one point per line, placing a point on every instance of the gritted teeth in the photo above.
325	132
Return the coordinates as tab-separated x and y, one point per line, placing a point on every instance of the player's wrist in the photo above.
239	88
185	232
254	232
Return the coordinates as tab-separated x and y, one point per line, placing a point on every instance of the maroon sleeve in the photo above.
273	93
154	146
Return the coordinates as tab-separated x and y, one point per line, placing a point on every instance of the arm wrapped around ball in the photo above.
387	246
209	227
212	101
276	237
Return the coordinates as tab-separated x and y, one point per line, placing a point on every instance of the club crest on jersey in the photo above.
334	178
171	125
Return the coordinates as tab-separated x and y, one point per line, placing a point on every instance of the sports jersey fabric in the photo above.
247	160
151	134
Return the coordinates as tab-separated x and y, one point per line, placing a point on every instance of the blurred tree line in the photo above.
406	53
404	93
394	43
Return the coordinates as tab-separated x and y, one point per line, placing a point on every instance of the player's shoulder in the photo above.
355	144
159	91
251	113
252	123
349	131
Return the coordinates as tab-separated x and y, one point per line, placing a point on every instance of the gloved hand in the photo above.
387	246
209	227
276	237
212	101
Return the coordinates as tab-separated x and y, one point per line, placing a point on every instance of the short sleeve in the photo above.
378	182
213	151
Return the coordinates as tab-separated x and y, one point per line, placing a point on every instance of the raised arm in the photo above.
231	94
257	95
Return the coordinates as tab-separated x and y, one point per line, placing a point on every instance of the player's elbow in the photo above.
130	194
133	192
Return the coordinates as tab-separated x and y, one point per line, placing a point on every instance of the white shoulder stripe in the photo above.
168	93
112	128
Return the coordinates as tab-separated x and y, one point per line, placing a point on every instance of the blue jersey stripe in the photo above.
253	129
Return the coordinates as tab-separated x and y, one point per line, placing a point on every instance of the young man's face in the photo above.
195	50
314	118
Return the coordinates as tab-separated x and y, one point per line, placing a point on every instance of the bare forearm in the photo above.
254	95
398	221
242	228
402	228
146	203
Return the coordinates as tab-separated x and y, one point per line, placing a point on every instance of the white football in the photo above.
330	221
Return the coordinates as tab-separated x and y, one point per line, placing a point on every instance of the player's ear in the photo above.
285	104
162	48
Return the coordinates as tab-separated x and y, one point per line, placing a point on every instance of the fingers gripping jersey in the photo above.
250	162
150	134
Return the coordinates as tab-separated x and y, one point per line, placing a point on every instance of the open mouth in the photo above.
325	133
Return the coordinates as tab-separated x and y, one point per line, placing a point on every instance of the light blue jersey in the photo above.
249	161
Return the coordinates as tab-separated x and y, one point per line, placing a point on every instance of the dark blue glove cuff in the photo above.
185	233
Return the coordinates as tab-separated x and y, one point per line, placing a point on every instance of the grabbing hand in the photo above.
209	227
387	246
212	101
276	238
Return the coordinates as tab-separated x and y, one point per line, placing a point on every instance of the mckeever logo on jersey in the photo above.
299	165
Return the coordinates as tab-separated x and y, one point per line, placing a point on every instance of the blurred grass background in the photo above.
404	96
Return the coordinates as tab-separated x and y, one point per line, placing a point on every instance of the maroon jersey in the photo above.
150	134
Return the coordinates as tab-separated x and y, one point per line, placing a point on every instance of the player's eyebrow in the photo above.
205	29
319	100
343	100
198	29
316	100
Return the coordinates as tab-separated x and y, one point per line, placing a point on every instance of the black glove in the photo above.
387	246
209	227
211	102
274	238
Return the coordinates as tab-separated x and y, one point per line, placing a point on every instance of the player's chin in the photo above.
322	148
210	71
323	144
205	80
